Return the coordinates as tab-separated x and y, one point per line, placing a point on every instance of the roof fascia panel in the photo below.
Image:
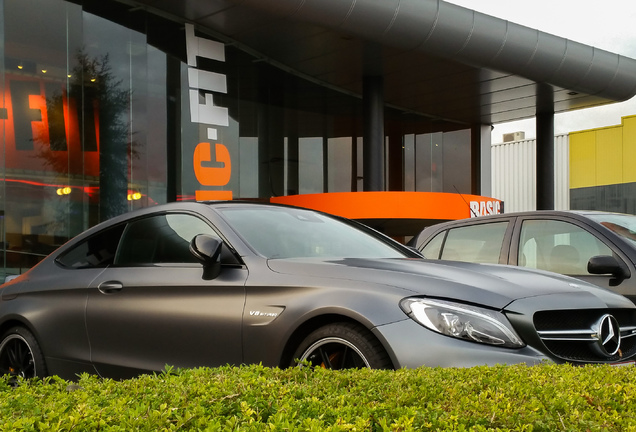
469	37
451	33
487	39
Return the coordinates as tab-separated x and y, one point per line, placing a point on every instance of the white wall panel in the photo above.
562	172
514	174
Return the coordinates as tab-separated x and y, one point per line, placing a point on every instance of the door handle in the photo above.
110	287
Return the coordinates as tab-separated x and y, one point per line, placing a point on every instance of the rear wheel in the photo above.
342	346
20	355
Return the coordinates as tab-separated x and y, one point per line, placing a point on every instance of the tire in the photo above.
20	355
342	346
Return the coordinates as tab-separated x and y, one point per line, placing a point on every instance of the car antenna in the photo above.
469	207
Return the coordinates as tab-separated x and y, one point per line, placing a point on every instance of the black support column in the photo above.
545	147
373	153
271	136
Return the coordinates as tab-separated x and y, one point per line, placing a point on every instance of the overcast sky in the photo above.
607	24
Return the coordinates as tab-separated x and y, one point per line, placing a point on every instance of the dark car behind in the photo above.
598	247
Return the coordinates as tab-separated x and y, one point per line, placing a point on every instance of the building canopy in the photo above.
437	59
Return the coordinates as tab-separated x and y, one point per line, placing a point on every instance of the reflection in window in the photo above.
41	155
339	164
3	243
310	165
79	91
622	224
248	168
295	233
480	243
428	162
427	155
409	162
95	252
160	239
434	247
558	246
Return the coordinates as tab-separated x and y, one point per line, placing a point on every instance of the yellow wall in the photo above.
604	156
582	159
629	149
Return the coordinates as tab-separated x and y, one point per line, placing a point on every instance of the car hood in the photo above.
495	286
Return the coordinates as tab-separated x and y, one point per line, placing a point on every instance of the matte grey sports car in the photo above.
207	284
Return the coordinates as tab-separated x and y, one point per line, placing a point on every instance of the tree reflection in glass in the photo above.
100	103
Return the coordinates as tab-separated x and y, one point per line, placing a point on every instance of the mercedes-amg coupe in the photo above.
208	284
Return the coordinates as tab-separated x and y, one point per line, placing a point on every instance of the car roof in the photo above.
582	213
574	214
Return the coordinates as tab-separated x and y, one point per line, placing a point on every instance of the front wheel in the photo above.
342	346
20	355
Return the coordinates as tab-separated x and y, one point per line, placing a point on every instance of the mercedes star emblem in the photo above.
608	335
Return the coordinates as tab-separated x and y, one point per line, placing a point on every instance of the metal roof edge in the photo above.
466	36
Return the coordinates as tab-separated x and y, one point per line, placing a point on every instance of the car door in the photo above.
155	307
59	310
565	246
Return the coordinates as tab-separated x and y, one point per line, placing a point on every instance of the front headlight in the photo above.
463	321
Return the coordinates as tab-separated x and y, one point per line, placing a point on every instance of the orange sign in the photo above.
210	175
395	205
207	113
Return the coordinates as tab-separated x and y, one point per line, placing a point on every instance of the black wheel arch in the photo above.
315	323
12	322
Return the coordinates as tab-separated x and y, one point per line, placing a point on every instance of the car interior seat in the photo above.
564	259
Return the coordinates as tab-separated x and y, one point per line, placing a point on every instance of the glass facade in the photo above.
78	94
106	108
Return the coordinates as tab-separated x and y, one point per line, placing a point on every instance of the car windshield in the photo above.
622	224
295	233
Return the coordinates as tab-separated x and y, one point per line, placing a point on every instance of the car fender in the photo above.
285	315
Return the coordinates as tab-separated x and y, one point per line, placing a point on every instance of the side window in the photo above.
558	246
433	248
160	239
96	251
480	243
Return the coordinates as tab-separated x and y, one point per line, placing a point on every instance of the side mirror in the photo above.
207	249
607	264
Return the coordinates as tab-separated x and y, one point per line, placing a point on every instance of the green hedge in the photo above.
502	398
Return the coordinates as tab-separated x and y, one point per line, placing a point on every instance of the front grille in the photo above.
573	335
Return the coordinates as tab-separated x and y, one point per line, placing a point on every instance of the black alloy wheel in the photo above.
20	355
342	346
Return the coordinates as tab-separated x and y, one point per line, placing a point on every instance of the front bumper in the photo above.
411	345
